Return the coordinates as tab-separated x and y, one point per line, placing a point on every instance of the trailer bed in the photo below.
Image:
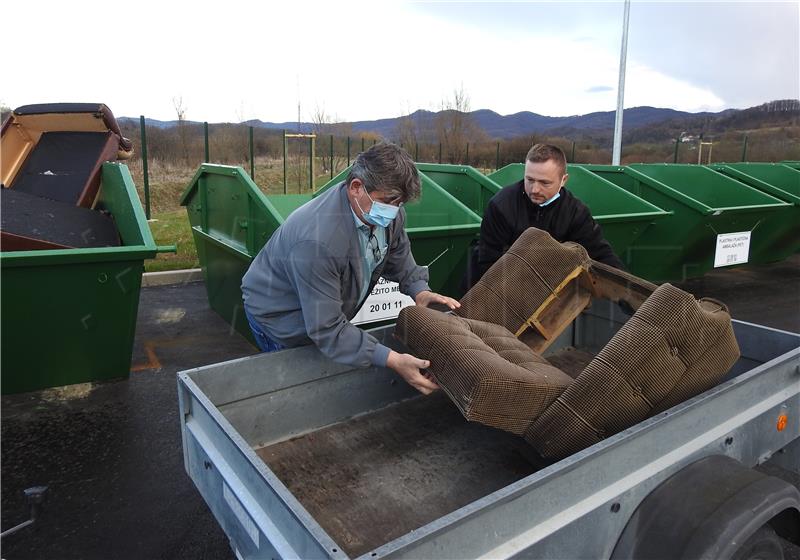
379	476
383	474
300	457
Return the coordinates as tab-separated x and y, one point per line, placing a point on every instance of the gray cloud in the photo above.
598	89
744	52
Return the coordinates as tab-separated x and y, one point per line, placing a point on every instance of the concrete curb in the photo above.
168	277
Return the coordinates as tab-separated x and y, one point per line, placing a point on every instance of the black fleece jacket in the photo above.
510	212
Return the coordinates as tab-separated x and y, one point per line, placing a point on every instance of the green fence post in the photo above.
744	149
677	145
284	161
252	157
374	141
497	159
144	168
416	151
440	152
311	163
572	159
467	162
331	156
362	143
348	151
205	138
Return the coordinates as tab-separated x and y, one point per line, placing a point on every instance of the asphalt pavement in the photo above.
111	454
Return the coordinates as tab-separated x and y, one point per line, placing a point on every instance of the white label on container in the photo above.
240	513
384	302
732	248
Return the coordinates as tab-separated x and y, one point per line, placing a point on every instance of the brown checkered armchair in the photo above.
487	358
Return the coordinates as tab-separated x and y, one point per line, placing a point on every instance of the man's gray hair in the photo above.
389	169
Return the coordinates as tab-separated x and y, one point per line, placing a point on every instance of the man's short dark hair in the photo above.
546	152
387	168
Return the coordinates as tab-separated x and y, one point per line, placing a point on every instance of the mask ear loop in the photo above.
359	204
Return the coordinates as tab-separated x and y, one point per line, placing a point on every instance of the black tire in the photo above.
764	544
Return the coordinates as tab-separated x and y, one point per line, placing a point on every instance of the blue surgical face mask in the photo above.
380	214
555	197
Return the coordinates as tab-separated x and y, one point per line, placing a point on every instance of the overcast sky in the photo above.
238	60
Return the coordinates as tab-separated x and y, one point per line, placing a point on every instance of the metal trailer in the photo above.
300	457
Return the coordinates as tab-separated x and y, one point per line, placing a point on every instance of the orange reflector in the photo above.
782	419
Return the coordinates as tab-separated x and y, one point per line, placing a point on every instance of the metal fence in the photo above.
308	159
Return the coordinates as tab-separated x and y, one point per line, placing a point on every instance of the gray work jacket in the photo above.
304	284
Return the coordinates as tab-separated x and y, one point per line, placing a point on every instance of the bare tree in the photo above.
325	126
183	129
455	127
407	131
235	139
321	124
320	121
324	123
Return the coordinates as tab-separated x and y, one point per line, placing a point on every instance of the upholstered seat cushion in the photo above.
671	349
523	280
488	373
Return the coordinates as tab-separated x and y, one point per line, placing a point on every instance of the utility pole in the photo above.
617	153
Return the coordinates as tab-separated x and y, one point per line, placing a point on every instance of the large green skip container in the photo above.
472	188
285	204
703	204
441	229
69	315
508	175
778	237
231	220
622	215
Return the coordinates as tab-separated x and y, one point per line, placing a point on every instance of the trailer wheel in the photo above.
715	507
764	544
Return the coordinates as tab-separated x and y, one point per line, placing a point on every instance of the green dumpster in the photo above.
440	229
622	215
778	237
69	315
705	208
285	204
231	220
472	188
508	175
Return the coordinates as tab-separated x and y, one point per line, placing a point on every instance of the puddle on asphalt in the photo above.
169	316
68	392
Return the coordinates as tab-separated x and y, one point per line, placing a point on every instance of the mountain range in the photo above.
526	122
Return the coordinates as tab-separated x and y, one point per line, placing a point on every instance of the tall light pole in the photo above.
615	158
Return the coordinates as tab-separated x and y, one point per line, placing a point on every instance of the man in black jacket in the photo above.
541	201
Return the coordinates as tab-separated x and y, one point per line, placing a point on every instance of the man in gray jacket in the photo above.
317	269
